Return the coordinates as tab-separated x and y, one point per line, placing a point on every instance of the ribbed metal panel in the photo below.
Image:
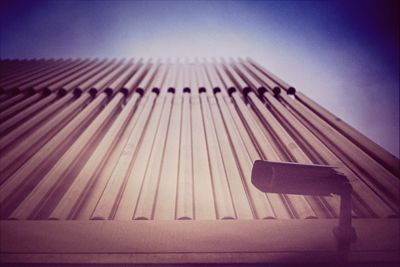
165	140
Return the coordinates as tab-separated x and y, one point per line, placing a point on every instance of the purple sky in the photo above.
343	54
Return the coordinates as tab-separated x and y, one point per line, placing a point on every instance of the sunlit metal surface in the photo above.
153	140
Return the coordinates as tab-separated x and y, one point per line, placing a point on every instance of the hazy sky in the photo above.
343	54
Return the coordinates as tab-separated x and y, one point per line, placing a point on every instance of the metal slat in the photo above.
61	75
24	174
387	184
29	76
360	190
184	193
145	204
204	207
301	208
28	146
30	85
108	202
77	79
377	152
36	121
170	141
239	196
34	202
18	119
222	195
71	200
18	67
17	107
289	144
129	195
12	100
92	197
97	80
258	147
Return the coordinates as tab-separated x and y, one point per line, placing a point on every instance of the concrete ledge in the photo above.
246	241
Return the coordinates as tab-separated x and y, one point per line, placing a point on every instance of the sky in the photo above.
342	54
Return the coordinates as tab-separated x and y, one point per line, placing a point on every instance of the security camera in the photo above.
295	178
305	179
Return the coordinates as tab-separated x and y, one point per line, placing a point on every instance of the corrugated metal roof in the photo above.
137	139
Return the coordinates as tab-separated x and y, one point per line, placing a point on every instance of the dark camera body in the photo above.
301	179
